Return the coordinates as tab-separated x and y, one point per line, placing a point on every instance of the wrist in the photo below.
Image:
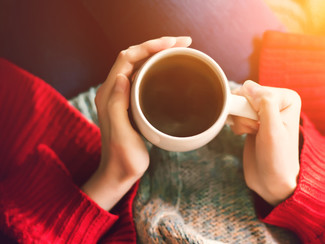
279	192
107	189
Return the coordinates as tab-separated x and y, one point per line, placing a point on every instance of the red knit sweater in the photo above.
47	150
298	62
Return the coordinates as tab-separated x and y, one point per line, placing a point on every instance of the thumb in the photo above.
266	102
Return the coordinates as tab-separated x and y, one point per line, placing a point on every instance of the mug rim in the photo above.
217	125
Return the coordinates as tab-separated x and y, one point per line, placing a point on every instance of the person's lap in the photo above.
195	196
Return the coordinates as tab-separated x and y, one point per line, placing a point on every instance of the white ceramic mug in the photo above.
232	104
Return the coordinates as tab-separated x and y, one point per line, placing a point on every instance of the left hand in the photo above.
124	155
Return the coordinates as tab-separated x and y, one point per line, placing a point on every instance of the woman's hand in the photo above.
124	155
271	152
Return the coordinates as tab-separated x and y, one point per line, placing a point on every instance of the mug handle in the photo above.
239	106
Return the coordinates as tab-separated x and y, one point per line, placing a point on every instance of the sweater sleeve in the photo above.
297	62
304	211
47	150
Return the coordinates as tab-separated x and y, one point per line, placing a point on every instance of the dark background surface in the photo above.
56	40
73	44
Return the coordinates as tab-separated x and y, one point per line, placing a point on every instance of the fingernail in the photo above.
120	83
187	40
170	40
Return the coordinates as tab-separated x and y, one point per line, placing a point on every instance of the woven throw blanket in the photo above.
195	197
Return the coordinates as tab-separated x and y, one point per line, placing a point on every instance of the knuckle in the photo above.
295	97
268	97
99	102
132	47
126	54
98	97
122	54
99	108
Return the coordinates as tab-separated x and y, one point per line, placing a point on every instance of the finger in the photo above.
243	130
146	49
118	99
183	41
129	57
118	103
102	112
242	125
237	91
266	102
250	163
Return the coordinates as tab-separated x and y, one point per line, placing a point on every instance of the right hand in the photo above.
271	152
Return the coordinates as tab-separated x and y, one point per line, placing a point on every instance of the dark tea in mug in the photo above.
181	96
